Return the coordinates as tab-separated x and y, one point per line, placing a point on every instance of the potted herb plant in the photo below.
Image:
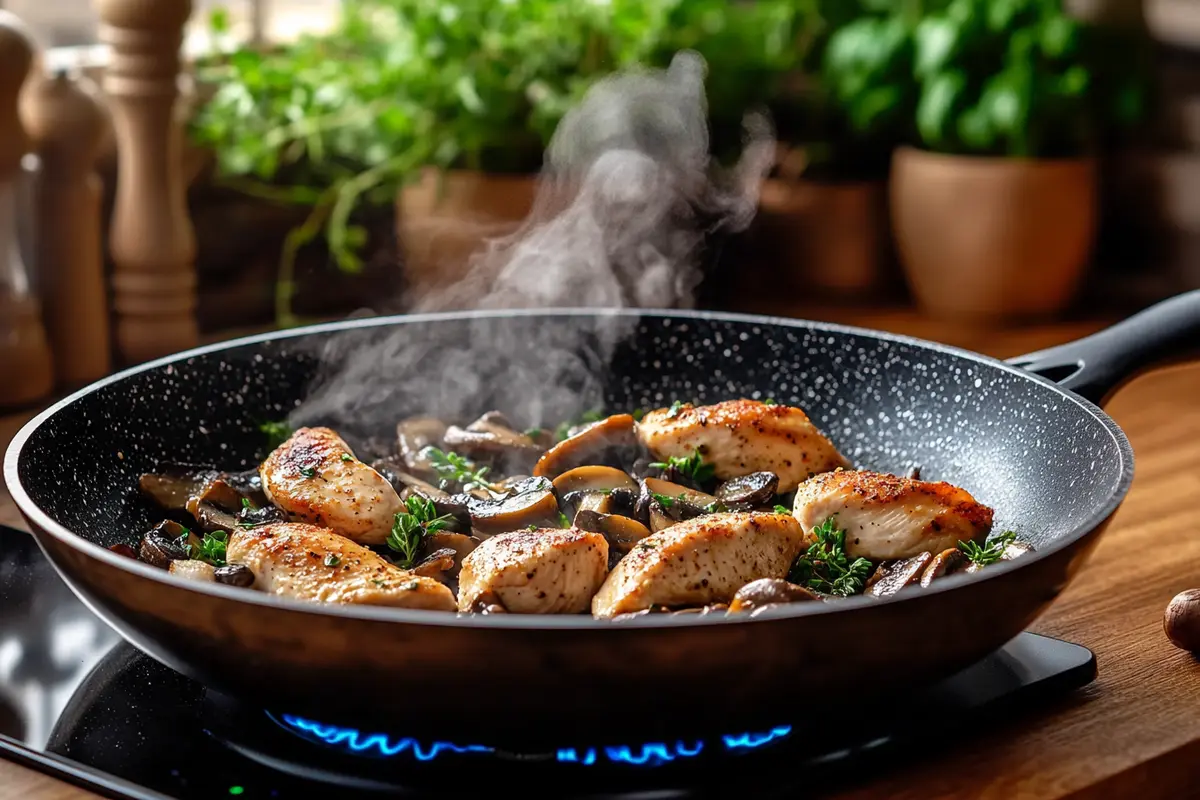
994	205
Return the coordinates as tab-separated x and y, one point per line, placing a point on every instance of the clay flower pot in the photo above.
992	237
828	237
443	218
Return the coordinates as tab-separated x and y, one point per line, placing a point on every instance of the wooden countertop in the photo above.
1136	730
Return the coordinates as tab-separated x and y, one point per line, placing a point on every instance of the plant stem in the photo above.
285	284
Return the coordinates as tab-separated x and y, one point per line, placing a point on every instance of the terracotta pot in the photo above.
830	237
444	218
992	237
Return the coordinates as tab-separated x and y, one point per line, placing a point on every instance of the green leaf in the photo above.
218	20
938	108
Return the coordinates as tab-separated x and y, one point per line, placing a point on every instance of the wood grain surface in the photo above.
1135	732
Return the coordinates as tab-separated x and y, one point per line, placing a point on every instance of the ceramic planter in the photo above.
992	237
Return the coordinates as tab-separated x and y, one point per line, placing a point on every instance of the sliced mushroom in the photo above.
193	570
210	519
437	565
611	440
488	603
747	491
175	484
413	435
235	575
538	507
946	562
1013	550
404	482
250	516
769	592
621	532
490	438
160	546
593	478
460	543
898	574
664	503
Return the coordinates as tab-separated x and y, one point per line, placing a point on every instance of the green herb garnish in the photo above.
663	500
411	527
453	468
276	432
990	552
674	410
531	527
246	504
824	567
347	457
308	472
563	520
770	401
782	510
637	414
716	507
692	467
211	549
331	560
533	433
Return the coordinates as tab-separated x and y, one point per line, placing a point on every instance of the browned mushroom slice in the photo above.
593	478
161	545
622	532
538	507
766	592
598	443
405	483
460	543
900	574
664	503
946	562
747	491
413	435
439	565
489	438
1013	550
174	485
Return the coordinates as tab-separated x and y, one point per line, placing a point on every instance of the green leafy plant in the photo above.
409	529
825	567
337	121
692	467
988	552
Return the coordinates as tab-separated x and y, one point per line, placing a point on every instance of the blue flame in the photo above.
650	754
377	743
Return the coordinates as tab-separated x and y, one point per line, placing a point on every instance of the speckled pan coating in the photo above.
1053	466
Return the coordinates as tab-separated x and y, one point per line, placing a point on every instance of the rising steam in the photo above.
626	199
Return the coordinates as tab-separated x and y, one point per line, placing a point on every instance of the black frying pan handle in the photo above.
1096	365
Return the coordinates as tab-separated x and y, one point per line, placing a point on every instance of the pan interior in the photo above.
1045	462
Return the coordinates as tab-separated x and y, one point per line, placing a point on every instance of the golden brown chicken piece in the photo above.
314	477
306	562
544	571
701	561
742	436
888	517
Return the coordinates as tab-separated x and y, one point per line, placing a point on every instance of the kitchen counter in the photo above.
1135	731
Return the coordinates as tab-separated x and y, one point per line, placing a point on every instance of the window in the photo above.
72	23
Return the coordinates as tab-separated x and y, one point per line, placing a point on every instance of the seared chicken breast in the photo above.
703	560
888	517
311	563
738	437
314	477
544	571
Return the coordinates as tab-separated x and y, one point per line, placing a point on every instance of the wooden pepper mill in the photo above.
152	244
26	373
67	124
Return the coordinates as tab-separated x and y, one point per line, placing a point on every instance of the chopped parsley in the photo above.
246	504
308	472
692	467
663	500
716	507
825	567
674	410
782	510
533	433
276	432
770	401
563	520
531	527
332	561
411	527
637	414
211	548
347	457
453	468
990	552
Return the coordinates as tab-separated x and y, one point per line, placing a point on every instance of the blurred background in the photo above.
946	168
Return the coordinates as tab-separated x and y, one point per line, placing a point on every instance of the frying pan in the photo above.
1051	463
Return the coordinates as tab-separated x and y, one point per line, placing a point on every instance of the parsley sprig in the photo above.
276	432
826	568
453	468
782	510
692	467
210	549
989	552
411	527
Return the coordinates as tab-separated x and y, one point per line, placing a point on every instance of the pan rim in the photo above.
43	524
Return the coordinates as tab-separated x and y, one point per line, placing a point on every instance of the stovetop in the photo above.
78	702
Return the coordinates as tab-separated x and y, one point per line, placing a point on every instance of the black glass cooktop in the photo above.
78	702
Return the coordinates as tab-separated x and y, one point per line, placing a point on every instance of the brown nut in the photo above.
1181	622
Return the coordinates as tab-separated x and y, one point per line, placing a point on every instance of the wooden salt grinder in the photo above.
152	243
26	373
67	125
